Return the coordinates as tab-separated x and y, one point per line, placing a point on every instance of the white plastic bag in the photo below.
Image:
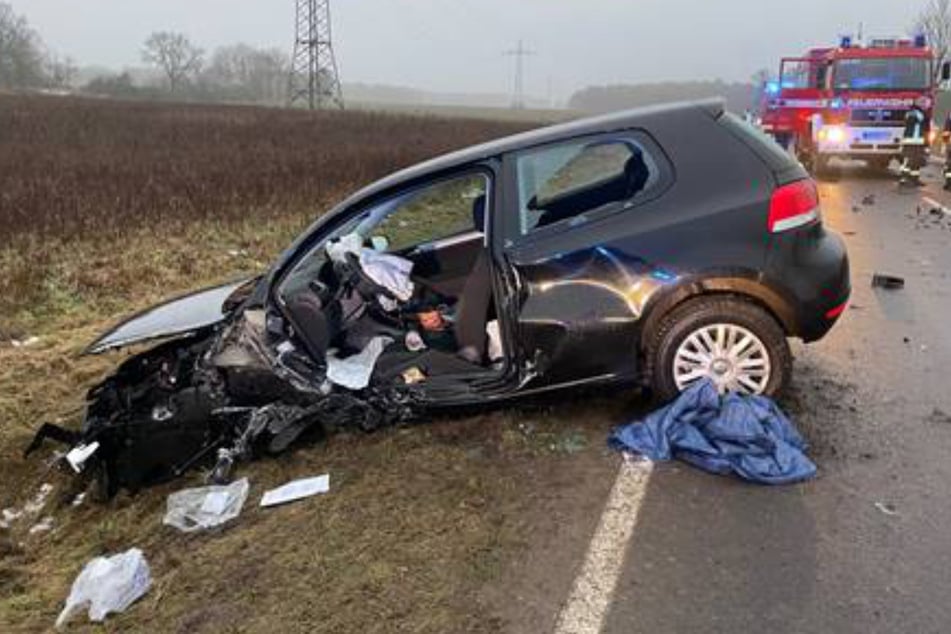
206	507
108	584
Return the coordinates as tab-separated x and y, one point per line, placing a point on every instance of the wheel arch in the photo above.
741	288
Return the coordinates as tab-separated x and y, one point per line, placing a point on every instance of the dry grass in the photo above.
106	208
105	200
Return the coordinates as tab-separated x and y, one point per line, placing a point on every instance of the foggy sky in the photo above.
456	45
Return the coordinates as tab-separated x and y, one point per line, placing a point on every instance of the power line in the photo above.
314	79
520	53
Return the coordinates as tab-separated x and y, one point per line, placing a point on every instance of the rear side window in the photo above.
561	182
765	147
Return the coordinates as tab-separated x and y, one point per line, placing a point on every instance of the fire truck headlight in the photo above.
833	134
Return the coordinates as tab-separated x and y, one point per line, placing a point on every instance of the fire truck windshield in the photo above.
882	73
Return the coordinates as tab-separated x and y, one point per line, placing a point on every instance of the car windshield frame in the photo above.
887	80
364	215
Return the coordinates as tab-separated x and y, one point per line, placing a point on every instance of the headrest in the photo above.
637	173
478	213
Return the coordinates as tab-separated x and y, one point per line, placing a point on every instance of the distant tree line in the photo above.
239	72
243	73
25	61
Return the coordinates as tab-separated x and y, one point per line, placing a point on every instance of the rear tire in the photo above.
677	331
880	166
820	167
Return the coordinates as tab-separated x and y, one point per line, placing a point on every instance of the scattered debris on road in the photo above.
198	509
296	490
887	509
940	416
888	282
869	200
107	585
745	435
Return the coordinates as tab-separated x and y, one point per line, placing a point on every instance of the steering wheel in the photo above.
352	276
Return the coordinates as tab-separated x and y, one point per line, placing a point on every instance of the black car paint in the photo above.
577	299
178	316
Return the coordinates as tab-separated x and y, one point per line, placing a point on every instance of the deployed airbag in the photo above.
746	435
355	371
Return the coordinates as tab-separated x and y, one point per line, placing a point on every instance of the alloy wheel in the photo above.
734	358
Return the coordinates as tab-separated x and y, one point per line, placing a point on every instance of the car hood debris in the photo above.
175	317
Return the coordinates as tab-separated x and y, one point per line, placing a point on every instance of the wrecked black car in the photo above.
661	246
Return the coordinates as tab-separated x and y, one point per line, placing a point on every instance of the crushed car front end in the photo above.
219	389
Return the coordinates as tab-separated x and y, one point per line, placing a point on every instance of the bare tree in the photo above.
175	56
935	23
21	52
61	72
250	73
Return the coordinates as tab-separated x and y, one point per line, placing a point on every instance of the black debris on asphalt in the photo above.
889	282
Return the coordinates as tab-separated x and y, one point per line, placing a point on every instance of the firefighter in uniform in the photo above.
946	138
913	146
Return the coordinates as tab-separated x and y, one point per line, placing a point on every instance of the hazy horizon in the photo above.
456	47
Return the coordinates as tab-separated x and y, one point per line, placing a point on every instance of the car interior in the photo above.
576	180
442	329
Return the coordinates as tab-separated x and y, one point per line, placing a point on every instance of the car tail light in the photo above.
794	205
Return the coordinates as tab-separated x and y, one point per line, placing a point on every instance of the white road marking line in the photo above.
934	204
593	589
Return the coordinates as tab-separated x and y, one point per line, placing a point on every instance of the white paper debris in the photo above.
296	490
43	526
25	343
36	505
354	372
106	585
206	507
9	516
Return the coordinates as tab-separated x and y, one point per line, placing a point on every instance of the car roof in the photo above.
623	120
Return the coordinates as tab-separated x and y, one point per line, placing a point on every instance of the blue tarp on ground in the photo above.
746	435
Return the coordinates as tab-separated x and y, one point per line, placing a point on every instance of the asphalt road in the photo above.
866	547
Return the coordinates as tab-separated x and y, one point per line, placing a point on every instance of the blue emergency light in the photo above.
846	41
772	88
921	40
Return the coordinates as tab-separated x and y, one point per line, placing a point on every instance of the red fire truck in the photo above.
850	101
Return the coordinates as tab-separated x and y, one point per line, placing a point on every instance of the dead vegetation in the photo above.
107	207
103	200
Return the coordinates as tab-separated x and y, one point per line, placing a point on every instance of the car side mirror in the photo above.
946	71
380	244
